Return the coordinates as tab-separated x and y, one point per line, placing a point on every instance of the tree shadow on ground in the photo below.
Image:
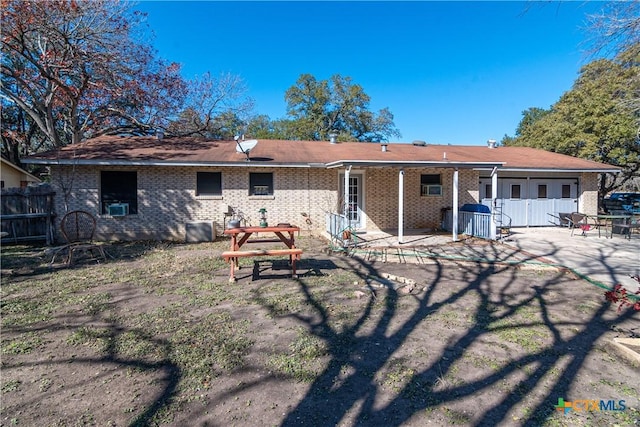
359	351
347	386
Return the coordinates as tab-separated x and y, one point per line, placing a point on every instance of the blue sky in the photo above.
450	72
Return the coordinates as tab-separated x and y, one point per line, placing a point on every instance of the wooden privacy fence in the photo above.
27	214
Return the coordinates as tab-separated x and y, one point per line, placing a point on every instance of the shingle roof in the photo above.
122	150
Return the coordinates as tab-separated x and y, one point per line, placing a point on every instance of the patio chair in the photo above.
599	223
78	229
627	227
578	220
561	219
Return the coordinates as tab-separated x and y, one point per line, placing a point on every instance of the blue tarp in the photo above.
475	207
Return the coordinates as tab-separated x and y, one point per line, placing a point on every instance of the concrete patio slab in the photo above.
604	261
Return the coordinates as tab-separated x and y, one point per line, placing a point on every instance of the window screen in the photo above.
119	187
430	179
260	184
542	191
515	191
430	185
209	184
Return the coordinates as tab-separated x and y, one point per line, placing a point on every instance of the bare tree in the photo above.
215	108
74	69
615	29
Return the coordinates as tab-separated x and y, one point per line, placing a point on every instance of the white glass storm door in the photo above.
356	200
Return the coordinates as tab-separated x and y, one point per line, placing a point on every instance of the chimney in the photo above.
384	147
333	137
491	143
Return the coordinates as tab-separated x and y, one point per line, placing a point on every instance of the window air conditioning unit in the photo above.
431	190
119	209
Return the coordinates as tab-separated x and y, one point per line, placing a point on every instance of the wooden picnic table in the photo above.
284	233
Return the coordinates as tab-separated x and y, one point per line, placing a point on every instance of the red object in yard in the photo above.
585	227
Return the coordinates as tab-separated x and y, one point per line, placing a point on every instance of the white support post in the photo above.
401	207
455	205
494	203
346	195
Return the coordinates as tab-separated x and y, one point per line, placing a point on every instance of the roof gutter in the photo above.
486	166
408	164
555	170
71	162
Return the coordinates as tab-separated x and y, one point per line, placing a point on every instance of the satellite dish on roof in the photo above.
245	146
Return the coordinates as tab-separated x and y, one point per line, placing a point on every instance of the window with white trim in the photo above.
119	187
515	191
430	185
261	184
542	191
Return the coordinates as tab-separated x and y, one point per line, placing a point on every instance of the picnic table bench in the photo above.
285	234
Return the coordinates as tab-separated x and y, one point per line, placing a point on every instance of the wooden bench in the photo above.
232	257
263	241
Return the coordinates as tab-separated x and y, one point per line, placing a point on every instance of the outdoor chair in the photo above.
578	220
78	229
626	228
599	224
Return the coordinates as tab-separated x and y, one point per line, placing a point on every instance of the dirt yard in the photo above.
157	336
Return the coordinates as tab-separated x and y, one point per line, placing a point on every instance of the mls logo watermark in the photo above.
590	405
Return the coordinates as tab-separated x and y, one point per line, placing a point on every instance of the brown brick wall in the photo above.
167	199
588	202
419	211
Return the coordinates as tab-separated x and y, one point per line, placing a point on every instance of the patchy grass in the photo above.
157	336
301	361
25	344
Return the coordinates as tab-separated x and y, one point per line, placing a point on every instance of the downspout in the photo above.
401	207
494	203
455	205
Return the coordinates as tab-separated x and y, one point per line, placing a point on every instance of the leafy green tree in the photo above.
594	120
529	117
262	127
318	108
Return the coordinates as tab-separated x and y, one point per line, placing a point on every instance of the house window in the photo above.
118	187
542	191
430	185
515	191
488	191
566	191
260	184
209	184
